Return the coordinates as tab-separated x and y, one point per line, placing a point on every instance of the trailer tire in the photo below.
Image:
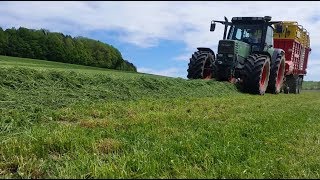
276	75
256	74
293	84
201	65
300	83
286	90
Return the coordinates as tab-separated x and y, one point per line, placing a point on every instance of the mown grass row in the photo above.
28	95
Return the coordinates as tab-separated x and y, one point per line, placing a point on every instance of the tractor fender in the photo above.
206	49
277	52
264	53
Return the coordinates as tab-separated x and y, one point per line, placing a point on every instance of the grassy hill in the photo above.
7	61
69	121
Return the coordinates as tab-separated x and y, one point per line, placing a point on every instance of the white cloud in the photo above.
151	21
145	23
172	72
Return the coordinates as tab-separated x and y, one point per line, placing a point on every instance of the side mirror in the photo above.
279	28
213	26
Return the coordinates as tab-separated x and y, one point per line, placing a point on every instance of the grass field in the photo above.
68	121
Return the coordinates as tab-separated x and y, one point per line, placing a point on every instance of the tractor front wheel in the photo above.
201	65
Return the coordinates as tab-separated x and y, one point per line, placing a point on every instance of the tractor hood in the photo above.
235	47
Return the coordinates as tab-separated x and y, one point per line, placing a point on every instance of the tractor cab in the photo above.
254	31
246	35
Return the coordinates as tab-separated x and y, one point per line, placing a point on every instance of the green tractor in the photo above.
246	56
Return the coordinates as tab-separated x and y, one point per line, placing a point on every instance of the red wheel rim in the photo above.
280	76
207	70
264	76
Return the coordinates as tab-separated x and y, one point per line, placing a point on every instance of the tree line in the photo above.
53	46
311	85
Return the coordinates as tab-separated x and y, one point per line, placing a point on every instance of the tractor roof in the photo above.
251	19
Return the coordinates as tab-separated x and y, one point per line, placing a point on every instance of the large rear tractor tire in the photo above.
276	75
201	65
256	74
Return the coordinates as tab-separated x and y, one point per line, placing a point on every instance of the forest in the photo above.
53	46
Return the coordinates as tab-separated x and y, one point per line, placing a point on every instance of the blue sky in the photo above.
159	36
160	59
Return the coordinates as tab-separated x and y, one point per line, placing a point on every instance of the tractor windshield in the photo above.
247	33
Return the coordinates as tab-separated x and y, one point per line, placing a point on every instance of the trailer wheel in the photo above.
256	74
300	83
201	65
276	75
293	84
286	90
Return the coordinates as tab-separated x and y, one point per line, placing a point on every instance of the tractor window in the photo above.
239	34
269	38
249	33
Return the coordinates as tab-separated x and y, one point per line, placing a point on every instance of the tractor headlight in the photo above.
220	55
230	55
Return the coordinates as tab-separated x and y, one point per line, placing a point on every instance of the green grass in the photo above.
7	61
73	123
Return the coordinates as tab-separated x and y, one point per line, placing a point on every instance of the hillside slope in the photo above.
65	121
